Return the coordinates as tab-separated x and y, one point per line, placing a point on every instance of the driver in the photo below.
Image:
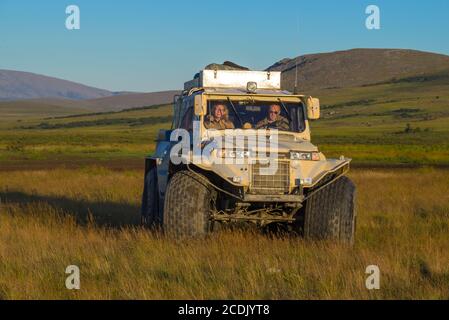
274	120
219	119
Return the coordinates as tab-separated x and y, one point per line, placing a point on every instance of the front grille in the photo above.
277	182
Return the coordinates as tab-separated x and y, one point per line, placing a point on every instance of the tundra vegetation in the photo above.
395	123
89	217
70	187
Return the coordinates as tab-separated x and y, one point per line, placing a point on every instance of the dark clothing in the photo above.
280	123
211	123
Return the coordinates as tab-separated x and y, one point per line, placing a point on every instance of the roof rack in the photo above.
270	80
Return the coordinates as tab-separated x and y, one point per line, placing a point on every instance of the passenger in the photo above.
219	119
274	120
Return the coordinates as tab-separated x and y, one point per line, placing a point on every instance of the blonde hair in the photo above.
225	112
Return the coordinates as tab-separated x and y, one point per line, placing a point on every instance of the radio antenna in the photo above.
295	90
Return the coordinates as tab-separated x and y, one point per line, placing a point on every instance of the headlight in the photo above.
309	156
307	181
237	179
233	154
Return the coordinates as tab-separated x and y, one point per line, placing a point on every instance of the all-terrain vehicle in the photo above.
304	191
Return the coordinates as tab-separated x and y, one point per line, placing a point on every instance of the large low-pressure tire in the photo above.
188	203
150	200
330	213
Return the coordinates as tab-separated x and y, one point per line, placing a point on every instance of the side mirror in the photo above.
198	105
164	135
313	108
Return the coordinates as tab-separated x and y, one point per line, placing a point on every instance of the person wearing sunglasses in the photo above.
274	119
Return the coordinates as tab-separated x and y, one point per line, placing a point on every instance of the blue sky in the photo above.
148	45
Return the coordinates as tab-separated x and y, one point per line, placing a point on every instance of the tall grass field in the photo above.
70	192
89	217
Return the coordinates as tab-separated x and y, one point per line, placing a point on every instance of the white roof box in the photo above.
235	79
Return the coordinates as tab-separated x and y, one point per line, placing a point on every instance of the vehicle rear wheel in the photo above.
188	205
330	213
150	200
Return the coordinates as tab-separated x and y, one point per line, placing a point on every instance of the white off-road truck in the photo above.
287	183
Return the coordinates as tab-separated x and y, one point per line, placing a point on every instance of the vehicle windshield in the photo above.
232	114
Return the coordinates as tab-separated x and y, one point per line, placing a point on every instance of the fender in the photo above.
150	163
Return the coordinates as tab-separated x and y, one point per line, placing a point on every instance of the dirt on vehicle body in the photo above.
283	181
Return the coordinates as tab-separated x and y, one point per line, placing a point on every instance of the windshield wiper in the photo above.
286	111
235	111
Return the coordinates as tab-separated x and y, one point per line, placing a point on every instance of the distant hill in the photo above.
341	69
66	106
16	85
28	90
358	67
22	109
127	101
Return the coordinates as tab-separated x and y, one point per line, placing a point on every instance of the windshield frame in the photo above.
284	101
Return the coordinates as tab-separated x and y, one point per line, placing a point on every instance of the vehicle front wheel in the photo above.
330	213
188	205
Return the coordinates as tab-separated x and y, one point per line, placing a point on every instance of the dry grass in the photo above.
88	217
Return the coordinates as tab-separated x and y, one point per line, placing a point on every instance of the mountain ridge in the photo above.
20	85
330	70
357	67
